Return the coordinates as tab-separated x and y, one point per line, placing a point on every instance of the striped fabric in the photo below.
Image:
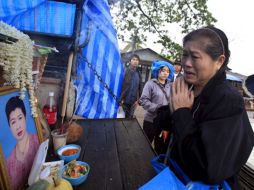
102	52
14	7
39	16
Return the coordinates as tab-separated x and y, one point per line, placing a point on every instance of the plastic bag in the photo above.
165	180
175	182
120	112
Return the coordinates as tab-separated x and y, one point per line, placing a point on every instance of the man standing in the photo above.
178	69
131	87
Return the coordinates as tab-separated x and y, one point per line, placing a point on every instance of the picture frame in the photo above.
20	137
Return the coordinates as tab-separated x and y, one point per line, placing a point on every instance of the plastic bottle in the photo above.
50	110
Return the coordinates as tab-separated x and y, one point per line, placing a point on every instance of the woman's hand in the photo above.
181	97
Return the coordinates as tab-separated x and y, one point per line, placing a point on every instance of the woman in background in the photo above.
155	97
20	161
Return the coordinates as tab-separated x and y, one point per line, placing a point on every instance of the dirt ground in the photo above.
139	113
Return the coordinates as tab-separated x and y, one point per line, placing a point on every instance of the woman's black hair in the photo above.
12	104
217	45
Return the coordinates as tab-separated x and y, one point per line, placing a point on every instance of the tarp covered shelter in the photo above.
233	78
97	64
248	86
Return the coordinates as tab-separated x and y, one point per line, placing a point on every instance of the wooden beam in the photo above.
67	84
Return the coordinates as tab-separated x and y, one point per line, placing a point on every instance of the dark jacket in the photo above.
127	82
179	75
214	139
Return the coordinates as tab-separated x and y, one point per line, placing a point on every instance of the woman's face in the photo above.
198	66
163	73
17	122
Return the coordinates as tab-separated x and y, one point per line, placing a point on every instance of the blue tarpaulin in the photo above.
94	100
11	8
42	16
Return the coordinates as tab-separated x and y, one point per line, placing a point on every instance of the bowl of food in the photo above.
75	172
69	152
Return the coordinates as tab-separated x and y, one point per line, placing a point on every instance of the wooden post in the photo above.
67	84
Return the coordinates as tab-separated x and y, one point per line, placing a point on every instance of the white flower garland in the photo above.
17	59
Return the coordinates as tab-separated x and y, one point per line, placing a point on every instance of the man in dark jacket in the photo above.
178	69
131	87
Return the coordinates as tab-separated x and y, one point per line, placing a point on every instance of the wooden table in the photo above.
118	152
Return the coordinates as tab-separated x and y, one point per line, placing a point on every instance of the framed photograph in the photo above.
20	137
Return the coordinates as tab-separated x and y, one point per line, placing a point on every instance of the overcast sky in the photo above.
235	18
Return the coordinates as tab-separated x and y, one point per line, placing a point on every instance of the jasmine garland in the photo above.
16	59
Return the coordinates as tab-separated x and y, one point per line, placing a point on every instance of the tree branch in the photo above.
150	20
188	5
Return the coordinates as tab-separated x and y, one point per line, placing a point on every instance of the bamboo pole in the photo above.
73	55
67	84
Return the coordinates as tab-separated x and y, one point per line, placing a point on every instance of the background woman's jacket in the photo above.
153	98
